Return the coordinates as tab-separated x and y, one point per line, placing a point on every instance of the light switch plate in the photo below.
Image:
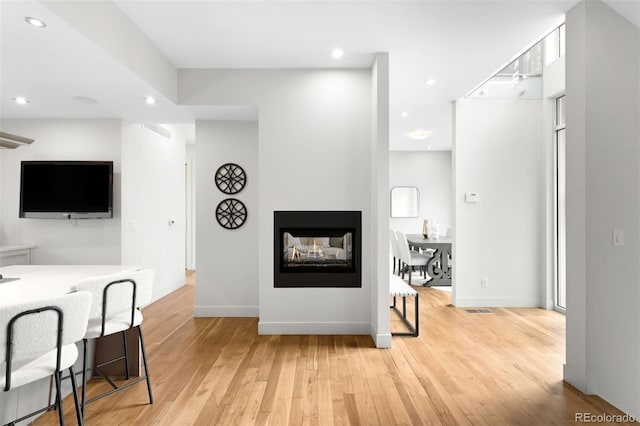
618	237
471	197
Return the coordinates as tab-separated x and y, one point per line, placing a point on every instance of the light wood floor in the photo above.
489	369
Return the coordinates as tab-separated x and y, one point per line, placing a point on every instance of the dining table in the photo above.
439	263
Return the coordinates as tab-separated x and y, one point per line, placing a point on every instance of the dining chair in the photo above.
117	300
393	239
410	258
38	340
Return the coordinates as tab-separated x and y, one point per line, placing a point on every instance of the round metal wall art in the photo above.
231	213
230	178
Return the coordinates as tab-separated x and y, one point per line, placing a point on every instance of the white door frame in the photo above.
190	213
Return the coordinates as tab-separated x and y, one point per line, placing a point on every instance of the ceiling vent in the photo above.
9	141
158	129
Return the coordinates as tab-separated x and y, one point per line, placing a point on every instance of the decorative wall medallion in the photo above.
230	178
231	213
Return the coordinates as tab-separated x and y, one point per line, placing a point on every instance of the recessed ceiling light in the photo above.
429	82
35	22
405	114
337	53
85	100
428	146
419	134
21	100
150	100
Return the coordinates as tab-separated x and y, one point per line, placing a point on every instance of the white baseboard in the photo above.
495	302
382	341
159	293
359	328
225	311
548	304
574	378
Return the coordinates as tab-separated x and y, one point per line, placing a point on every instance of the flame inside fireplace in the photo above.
314	251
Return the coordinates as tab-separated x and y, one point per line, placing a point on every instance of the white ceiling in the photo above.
457	43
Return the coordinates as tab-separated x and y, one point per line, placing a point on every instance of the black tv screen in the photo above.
66	189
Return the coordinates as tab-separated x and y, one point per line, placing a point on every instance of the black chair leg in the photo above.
126	355
417	315
146	367
84	377
59	397
74	388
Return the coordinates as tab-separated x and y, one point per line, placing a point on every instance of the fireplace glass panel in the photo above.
322	252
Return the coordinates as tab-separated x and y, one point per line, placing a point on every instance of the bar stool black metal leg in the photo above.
74	388
84	376
146	367
126	354
59	397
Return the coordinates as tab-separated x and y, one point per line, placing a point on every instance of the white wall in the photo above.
86	241
227	284
314	154
575	368
380	316
153	193
498	145
603	193
430	172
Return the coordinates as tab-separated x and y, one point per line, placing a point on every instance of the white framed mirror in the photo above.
405	201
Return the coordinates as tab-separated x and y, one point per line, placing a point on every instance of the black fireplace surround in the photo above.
317	249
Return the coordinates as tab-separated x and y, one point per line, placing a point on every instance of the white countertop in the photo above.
37	281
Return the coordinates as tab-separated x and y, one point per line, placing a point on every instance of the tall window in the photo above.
554	45
560	223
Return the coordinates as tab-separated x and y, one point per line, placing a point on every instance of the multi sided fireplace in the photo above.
317	248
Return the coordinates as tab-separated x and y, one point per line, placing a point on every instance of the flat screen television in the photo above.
66	189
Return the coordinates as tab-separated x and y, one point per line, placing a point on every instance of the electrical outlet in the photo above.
484	282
